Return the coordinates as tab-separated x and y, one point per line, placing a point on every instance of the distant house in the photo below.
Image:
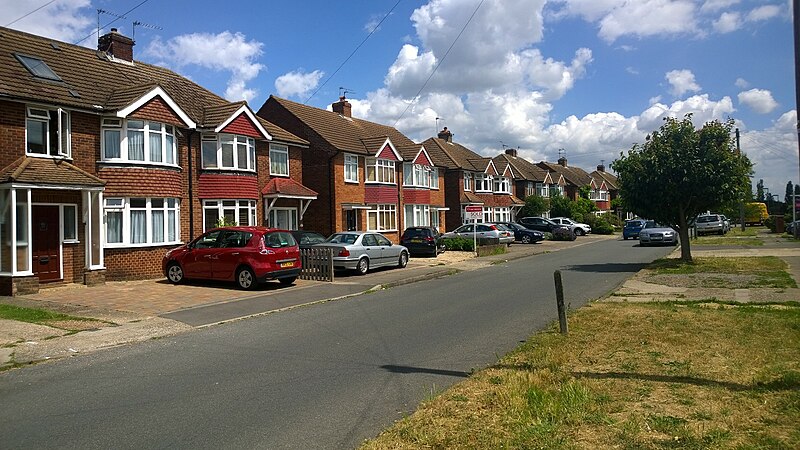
606	188
530	179
472	179
107	162
574	178
368	176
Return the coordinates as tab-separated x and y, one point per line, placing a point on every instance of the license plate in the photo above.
287	264
655	238
416	240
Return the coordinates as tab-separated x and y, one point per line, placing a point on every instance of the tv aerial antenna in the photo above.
343	91
121	16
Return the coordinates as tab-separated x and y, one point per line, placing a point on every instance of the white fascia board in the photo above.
391	146
157	92
246	111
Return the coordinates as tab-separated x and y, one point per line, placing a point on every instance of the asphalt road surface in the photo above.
324	376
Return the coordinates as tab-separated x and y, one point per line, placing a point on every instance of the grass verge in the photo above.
629	376
49	318
729	240
728	272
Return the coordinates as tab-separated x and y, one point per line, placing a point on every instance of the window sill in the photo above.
71	241
352	182
137	164
380	183
282	175
228	169
41	155
147	245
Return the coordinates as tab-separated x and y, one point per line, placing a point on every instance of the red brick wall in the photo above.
134	263
416	196
139	182
454	187
12	132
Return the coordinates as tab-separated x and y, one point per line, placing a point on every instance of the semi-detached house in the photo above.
369	176
107	162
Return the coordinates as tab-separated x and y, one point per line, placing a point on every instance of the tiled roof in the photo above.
453	155
469	197
47	171
610	179
573	175
286	187
523	169
90	81
343	133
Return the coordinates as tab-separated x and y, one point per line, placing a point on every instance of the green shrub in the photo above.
770	223
459	243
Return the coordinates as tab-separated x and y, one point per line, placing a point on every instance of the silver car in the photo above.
361	251
581	229
709	223
657	234
483	230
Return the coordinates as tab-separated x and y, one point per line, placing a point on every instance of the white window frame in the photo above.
123	205
530	188
63	219
385	214
418	175
434	178
167	132
543	190
235	140
417	216
502	214
221	205
483	182
278	151
501	185
63	130
379	170
350	168
291	214
468	181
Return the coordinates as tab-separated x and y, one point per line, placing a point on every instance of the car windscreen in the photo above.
342	238
311	238
633	224
416	233
279	239
706	219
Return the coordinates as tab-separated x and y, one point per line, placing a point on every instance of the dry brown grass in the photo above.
649	376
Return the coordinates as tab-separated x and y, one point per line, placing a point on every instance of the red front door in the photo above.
46	243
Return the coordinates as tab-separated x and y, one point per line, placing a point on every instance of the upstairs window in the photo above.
542	190
380	170
502	185
278	160
47	132
467	181
434	178
529	190
351	168
138	141
229	152
483	182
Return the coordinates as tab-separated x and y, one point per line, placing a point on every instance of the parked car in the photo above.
422	241
791	226
523	234
307	238
709	223
540	224
726	222
482	230
581	229
656	234
246	255
361	251
632	228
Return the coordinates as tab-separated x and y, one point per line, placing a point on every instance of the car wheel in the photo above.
625	237
526	239
580	232
288	280
245	278
403	261
175	273
363	266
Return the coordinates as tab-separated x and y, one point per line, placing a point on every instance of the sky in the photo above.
587	78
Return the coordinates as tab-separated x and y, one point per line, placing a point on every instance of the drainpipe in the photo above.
191	196
332	191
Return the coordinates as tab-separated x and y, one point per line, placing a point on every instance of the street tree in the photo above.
534	206
681	171
761	195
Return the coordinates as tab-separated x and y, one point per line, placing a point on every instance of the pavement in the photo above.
135	311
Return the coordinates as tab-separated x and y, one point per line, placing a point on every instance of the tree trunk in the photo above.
683	233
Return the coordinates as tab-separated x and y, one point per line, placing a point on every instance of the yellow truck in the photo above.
755	213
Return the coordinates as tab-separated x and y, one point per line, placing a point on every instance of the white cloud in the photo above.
728	22
712	6
224	51
741	83
297	83
64	20
682	81
764	12
773	152
759	100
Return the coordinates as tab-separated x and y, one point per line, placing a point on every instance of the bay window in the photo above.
483	182
47	132
382	218
380	170
542	190
138	141
228	151
278	160
502	185
139	221
228	212
351	168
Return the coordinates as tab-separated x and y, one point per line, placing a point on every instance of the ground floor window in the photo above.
502	215
417	216
228	212
141	221
382	218
285	218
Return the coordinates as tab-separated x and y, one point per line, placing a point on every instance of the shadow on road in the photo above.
409	369
608	267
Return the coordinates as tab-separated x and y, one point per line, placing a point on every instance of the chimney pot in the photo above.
117	45
512	152
446	135
343	107
601	168
562	161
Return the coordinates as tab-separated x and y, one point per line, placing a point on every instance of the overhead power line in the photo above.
116	19
28	14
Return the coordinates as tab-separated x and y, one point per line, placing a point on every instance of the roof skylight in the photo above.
37	67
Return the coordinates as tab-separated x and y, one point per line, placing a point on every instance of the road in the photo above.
324	376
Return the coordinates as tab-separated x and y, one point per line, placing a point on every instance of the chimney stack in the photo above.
562	161
343	107
601	168
446	135
116	45
512	152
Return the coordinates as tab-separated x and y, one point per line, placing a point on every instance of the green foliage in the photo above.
225	222
760	195
681	171
535	206
560	206
601	224
579	210
459	243
769	222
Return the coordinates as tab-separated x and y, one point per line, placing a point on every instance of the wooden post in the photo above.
562	312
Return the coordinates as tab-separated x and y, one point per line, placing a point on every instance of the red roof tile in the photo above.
286	187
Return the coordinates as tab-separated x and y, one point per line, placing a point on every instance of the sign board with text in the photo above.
473	212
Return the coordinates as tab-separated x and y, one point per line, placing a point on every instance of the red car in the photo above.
246	255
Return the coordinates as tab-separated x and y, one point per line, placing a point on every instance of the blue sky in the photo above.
591	77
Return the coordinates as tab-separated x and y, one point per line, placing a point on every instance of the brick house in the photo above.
530	179
606	188
471	179
574	178
107	162
368	176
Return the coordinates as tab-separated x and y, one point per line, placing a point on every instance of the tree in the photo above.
560	206
681	171
760	195
534	206
788	199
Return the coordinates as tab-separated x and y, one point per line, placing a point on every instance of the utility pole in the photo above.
741	204
796	9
